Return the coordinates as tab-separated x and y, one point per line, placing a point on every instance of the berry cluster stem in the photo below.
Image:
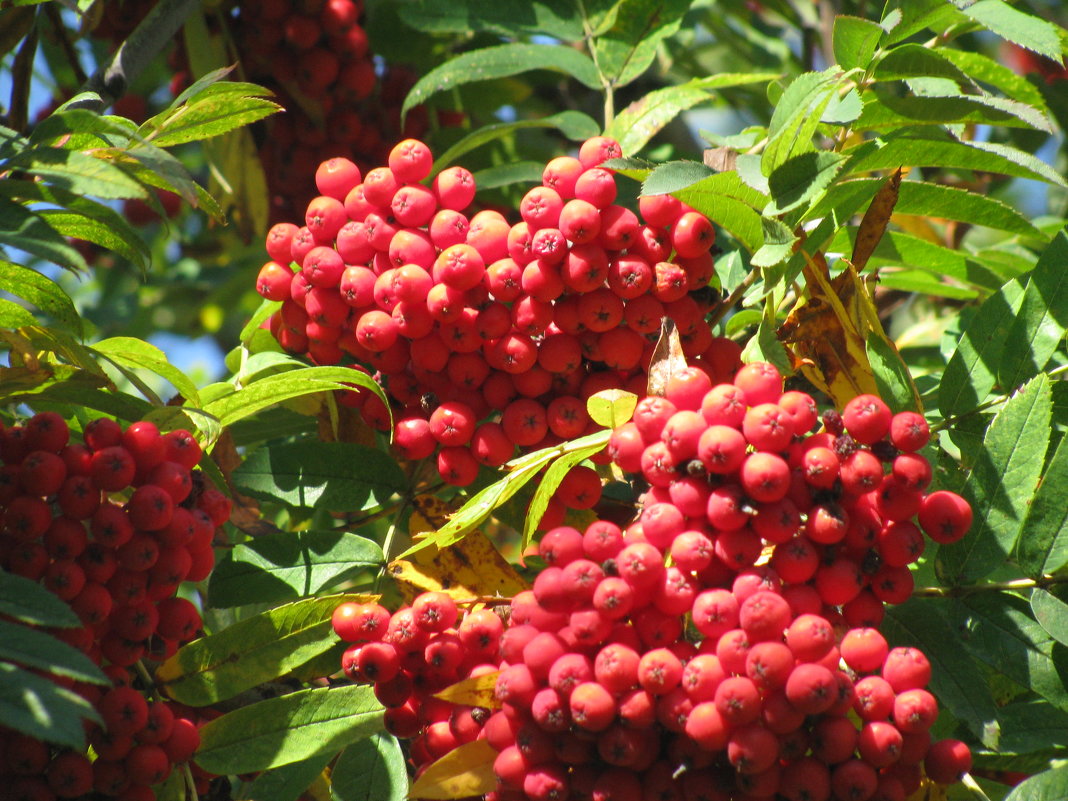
993	586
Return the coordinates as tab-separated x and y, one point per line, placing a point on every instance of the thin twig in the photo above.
735	296
21	78
65	43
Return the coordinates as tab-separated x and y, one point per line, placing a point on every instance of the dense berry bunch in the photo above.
414	653
112	526
316	57
489	335
723	646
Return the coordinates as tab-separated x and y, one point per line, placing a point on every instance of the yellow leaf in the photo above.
463	772
431	513
929	791
467	570
826	332
475	691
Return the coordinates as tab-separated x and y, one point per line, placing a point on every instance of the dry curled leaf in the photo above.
825	333
667	360
721	159
876	218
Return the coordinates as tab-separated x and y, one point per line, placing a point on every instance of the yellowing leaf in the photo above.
475	691
929	791
463	772
430	514
611	408
825	333
469	569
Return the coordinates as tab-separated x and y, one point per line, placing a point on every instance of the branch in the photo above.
155	32
993	586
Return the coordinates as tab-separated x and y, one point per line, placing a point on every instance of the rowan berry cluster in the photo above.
112	526
489	335
315	55
723	646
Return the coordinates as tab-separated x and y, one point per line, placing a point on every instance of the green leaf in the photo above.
796	117
998	630
922	624
725	200
972	371
1051	613
573	124
77	172
634	168
519	172
626	48
917	61
611	408
502	61
911	251
289	565
558	18
854	41
891	374
778	244
42	709
799	179
210	115
1040	324
12	315
26	600
288	782
131	352
550	481
80	226
1043	545
929	200
480	505
918	15
1031	726
1002	484
1016	26
23	229
115	223
885	110
935	148
371	770
36	649
639	122
673	176
335	476
1050	785
158	168
250	652
291	728
983	69
924	284
62	127
273	389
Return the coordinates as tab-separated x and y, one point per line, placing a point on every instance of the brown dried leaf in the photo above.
721	159
469	569
668	358
464	772
475	691
876	218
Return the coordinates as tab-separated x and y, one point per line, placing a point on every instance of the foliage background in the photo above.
804	109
